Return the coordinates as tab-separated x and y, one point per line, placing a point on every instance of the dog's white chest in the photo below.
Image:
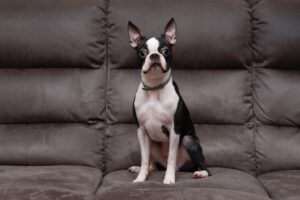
155	109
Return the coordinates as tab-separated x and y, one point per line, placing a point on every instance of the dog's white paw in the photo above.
169	179
200	174
134	169
139	179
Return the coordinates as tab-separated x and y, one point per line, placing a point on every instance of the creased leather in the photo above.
276	34
51	144
277	148
282	185
224	184
51	95
44	34
276	97
222	178
48	182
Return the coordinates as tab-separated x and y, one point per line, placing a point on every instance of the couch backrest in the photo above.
276	81
52	82
68	77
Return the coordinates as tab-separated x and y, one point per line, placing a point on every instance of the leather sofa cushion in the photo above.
180	194
225	183
51	95
212	96
223	146
52	34
215	35
282	185
276	34
51	144
52	82
277	148
48	182
277	96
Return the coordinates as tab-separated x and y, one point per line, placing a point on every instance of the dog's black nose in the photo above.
154	56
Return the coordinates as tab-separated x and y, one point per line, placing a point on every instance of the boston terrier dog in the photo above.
165	132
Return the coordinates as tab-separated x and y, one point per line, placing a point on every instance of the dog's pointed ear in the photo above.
135	35
170	31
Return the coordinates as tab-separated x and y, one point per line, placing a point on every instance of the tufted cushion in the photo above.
276	93
48	182
51	95
48	34
52	82
224	184
51	144
282	185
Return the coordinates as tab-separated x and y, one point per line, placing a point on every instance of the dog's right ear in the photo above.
170	32
135	35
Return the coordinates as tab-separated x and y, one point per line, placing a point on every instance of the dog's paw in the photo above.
134	169
139	179
200	174
169	180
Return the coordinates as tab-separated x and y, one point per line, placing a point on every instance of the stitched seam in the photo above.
252	71
107	3
257	60
104	158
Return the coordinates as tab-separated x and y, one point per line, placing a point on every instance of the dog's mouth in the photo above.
155	66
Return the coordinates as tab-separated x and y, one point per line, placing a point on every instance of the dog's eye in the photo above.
165	51
142	53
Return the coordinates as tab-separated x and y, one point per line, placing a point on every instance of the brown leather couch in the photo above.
68	77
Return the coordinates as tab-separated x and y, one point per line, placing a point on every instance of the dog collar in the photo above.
160	86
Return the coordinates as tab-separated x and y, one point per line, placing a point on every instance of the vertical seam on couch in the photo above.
251	5
106	83
254	122
256	23
104	159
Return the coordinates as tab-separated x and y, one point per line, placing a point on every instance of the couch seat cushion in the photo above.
223	182
282	185
48	182
179	194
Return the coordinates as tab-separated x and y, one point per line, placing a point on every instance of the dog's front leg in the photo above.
144	142
172	158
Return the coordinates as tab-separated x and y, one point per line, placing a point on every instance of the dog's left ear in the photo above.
170	32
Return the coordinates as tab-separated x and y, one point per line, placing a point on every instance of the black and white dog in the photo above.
166	133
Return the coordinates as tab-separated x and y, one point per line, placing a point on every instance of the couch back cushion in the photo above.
211	65
52	82
277	81
236	64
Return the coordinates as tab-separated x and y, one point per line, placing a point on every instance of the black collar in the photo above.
160	86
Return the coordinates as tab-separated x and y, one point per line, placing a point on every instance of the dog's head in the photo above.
154	53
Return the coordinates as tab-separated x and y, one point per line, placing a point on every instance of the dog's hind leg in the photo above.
192	146
134	169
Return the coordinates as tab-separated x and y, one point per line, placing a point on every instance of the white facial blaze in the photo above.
153	45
